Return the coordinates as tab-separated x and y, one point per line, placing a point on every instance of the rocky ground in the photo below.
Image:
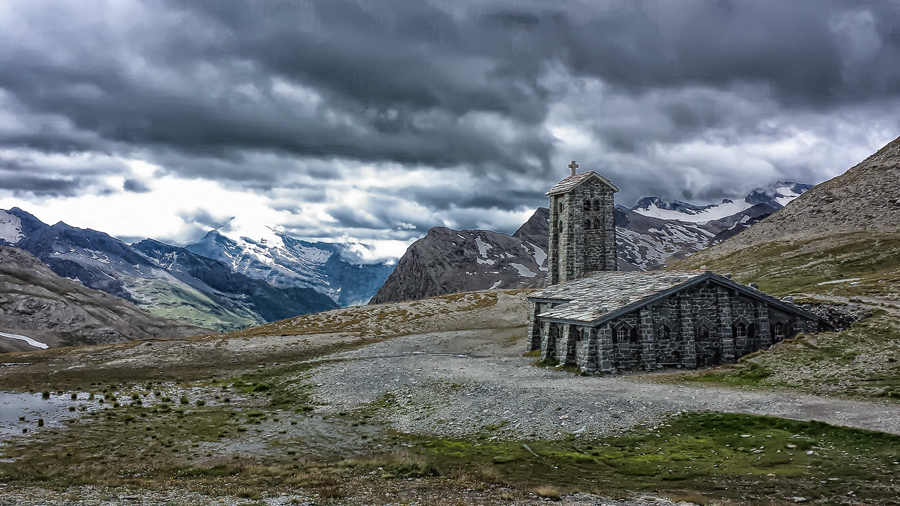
425	402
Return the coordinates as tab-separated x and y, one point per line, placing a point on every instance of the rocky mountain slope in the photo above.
280	259
449	261
649	235
168	281
655	232
40	309
842	237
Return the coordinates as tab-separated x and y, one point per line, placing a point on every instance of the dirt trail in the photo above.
459	383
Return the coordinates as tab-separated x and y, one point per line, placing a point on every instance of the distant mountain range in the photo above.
280	259
649	234
841	237
168	281
39	309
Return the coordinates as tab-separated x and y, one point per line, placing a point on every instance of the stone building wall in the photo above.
700	325
582	232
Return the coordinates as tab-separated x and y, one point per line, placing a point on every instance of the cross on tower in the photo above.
573	166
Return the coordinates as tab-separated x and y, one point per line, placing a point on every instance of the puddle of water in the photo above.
20	411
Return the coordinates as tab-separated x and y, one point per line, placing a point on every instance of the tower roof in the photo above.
570	183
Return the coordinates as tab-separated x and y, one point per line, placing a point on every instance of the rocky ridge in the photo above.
649	235
865	200
53	311
168	281
279	259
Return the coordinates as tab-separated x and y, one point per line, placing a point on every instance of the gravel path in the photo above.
466	383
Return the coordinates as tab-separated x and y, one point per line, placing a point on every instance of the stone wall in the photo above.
582	232
700	330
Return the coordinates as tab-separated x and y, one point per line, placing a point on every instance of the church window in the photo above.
621	334
663	333
596	205
703	334
779	331
597	223
740	330
587	205
560	207
587	224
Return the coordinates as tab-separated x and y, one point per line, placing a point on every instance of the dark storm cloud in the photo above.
135	186
259	95
204	219
404	74
22	184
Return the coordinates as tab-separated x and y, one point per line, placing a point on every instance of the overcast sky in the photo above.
373	120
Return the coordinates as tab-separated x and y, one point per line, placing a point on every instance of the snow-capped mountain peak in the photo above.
775	195
10	228
270	254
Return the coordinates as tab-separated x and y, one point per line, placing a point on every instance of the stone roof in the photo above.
568	184
606	295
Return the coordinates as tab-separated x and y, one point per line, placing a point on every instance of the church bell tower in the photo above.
582	226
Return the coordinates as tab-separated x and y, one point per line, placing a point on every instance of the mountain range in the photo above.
841	237
39	309
279	259
168	281
649	235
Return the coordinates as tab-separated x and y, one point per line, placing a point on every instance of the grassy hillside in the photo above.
839	243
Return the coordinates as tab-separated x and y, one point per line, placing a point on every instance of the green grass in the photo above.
861	362
721	455
800	268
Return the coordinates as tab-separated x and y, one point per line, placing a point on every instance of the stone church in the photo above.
602	320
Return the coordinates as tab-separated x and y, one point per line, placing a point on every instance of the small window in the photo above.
663	333
779	330
740	330
596	205
597	223
560	207
703	334
587	205
621	334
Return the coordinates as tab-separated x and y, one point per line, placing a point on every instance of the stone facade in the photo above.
704	320
610	321
582	227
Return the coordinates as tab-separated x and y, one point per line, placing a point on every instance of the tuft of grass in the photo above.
548	492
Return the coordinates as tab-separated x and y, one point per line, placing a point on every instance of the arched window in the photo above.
587	205
596	205
598	223
587	224
560	225
663	333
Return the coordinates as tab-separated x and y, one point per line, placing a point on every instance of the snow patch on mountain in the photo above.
10	228
776	195
270	254
702	216
523	271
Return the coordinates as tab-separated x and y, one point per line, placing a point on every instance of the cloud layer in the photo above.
373	120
